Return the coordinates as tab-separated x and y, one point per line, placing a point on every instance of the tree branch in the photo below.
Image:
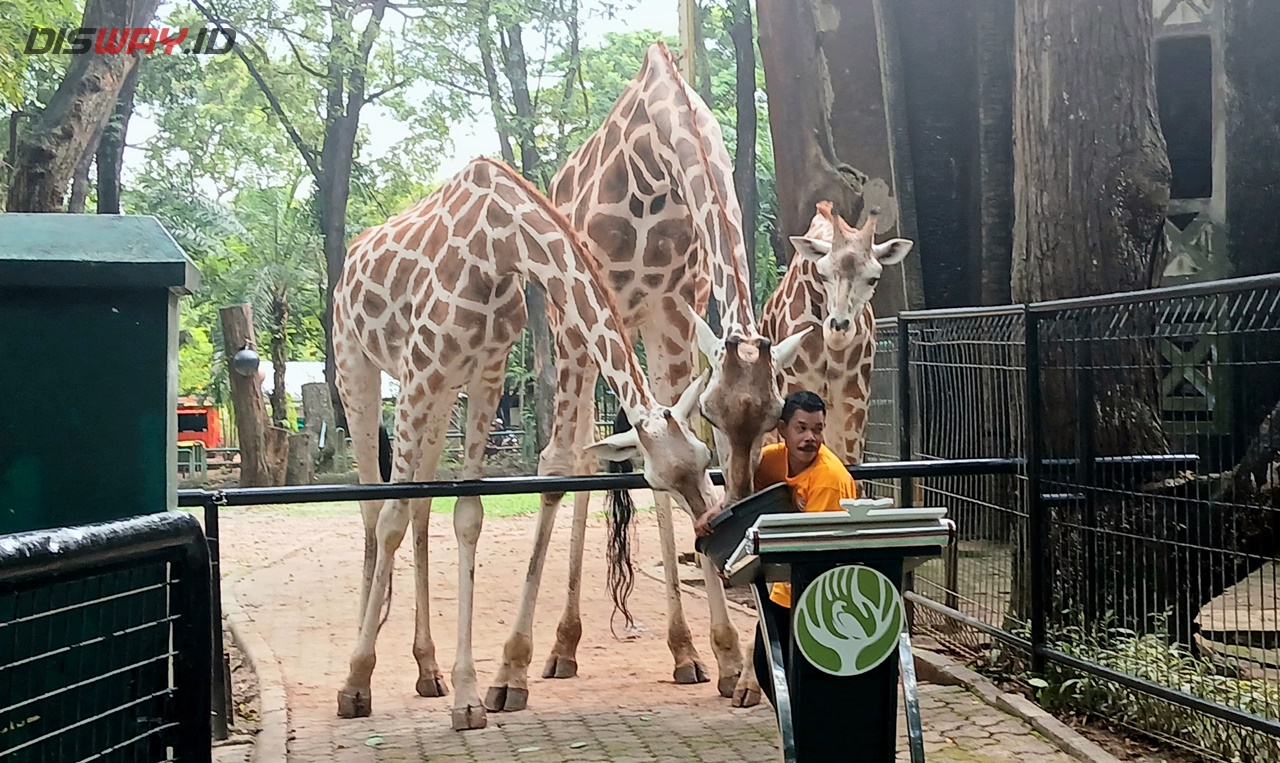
375	96
307	152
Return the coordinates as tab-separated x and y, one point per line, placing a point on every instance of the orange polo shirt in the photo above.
820	487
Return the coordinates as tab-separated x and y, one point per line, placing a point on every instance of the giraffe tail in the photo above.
384	466
621	511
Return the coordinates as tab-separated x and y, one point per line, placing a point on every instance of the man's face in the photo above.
803	433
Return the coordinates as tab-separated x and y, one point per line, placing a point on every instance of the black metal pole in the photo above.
1037	522
220	685
193	633
906	485
1085	407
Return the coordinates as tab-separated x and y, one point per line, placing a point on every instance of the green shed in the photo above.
88	368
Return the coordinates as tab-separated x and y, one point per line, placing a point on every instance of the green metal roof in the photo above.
56	250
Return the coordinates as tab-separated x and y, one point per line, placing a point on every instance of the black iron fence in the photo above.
105	642
1134	558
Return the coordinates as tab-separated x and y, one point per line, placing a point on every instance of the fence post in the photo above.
1037	522
905	486
1085	461
221	683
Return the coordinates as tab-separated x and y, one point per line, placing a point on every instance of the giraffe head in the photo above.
848	267
743	398
675	460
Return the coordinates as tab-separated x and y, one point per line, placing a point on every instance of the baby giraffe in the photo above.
435	298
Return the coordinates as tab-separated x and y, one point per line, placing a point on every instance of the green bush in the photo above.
1154	658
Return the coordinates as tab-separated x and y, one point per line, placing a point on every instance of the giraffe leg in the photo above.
431	681
563	662
724	636
689	668
468	519
355	697
670	371
747	691
510	689
359	385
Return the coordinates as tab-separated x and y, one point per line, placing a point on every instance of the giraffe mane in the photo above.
682	86
580	251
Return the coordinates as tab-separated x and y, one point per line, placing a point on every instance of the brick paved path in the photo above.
295	574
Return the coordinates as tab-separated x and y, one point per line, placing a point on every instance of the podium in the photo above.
836	698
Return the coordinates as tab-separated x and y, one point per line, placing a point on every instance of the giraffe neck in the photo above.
555	257
660	117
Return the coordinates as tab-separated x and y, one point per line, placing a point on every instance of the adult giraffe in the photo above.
652	190
434	297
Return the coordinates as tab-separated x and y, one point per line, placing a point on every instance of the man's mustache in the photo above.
809	446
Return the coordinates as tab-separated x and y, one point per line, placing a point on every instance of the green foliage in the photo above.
27	80
1157	658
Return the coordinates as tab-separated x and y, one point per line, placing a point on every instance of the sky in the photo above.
474	137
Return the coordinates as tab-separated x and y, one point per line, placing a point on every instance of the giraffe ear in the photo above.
623	446
811	248
892	251
688	402
708	342
784	353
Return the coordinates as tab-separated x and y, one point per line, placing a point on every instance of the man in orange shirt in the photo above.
818	482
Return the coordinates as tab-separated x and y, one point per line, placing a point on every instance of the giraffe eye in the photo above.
873	281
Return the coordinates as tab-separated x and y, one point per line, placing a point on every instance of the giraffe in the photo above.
829	286
434	296
652	190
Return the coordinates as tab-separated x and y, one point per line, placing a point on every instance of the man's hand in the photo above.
702	527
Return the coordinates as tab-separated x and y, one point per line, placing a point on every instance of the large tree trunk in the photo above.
744	160
47	156
111	147
1091	187
994	179
544	382
831	77
246	397
317	411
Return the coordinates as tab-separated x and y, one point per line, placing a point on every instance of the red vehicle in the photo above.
199	423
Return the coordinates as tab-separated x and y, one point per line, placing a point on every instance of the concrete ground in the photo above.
290	580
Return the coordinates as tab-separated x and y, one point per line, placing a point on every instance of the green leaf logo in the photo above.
847	621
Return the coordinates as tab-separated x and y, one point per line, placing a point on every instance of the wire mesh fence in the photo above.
1136	557
105	642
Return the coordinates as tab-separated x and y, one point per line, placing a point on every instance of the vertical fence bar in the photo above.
905	486
192	642
221	684
1037	522
1085	453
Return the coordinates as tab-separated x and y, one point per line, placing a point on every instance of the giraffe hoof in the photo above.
506	699
432	686
469	718
354	704
560	667
693	673
746	697
727	684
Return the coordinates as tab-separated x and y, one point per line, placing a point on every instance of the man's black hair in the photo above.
803	400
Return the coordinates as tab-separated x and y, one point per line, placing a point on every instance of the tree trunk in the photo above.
246	396
301	469
317	410
1091	187
47	156
111	147
994	22
279	358
500	121
831	68
276	450
544	382
1091	179
80	178
744	160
